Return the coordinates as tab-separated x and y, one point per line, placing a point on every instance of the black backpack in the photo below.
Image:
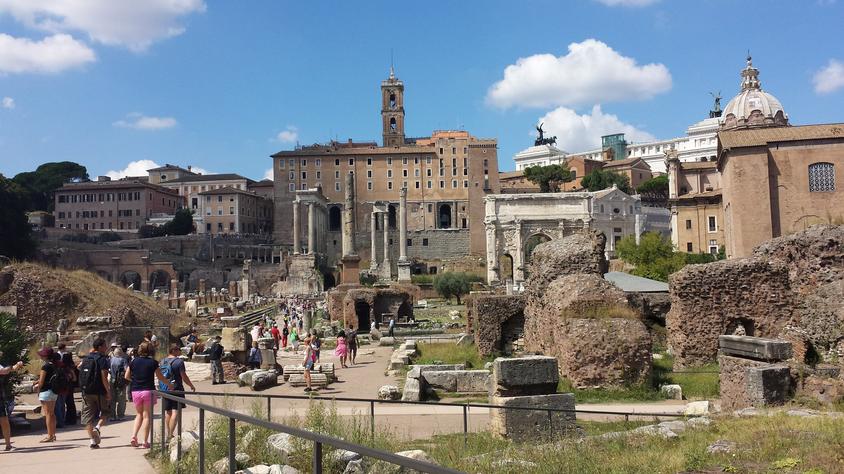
90	379
59	381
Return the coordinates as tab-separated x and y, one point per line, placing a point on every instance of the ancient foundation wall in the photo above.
489	315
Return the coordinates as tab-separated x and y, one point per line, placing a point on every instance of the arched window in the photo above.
445	216
392	101
821	177
392	123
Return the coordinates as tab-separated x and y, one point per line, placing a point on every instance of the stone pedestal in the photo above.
403	271
350	270
534	424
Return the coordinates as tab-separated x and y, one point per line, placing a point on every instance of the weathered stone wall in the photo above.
582	252
341	300
489	313
791	287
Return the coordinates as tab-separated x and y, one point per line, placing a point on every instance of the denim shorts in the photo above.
48	396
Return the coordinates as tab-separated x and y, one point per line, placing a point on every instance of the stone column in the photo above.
349	217
311	228
373	259
296	243
385	222
403	263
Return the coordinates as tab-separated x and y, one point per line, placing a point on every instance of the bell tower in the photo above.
392	110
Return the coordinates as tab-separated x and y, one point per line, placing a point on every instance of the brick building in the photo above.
124	204
446	175
229	210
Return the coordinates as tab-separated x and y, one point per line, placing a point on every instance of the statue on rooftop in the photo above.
541	140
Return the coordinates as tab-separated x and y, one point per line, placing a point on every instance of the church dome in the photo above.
753	107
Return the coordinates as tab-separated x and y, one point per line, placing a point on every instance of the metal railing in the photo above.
318	439
465	407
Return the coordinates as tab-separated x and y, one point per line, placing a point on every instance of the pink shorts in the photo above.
143	398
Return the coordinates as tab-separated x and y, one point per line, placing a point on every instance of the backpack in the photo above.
89	374
59	381
167	371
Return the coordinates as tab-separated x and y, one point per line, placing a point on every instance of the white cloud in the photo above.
627	3
7	103
289	135
830	78
268	174
134	168
590	73
142	122
576	133
198	170
135	24
50	55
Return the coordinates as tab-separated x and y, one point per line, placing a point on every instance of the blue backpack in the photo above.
167	372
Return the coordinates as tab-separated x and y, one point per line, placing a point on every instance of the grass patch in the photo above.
450	353
696	385
593	428
637	393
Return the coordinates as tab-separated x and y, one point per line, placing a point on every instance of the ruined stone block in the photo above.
535	424
755	348
442	380
469	381
751	383
532	375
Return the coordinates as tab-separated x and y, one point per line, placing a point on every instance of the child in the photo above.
254	359
341	351
294	339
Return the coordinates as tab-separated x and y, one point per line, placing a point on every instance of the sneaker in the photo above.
96	436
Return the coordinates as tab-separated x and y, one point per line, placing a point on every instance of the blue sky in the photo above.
221	85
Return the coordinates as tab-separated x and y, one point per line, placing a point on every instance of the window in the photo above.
430	184
281	164
337	162
416	160
220	198
389	161
454	183
428	160
368	173
220	211
369	162
292	163
441	152
292	176
304	163
416	172
713	247
291	187
688	247
208	227
465	150
389	173
304	186
404	173
453	150
417	185
389	185
337	185
821	177
712	224
465	183
602	208
688	223
428	172
369	185
351	162
404	161
319	175
430	208
424	242
219	227
304	175
410	242
231	210
442	184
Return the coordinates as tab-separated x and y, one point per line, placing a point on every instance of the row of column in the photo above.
317	226
385	265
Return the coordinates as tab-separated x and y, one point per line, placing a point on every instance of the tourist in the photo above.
276	336
215	357
294	339
285	332
141	373
309	362
96	390
62	394
352	342
71	414
254	359
7	400
48	379
173	368
341	350
392	327
301	325
117	367
256	332
150	338
315	345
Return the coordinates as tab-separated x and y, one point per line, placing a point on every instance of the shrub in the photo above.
453	284
14	344
548	177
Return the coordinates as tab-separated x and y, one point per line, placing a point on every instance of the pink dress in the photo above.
340	351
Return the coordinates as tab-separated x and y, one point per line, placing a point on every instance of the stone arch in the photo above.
131	278
363	313
444	216
335	219
505	267
532	242
159	279
405	311
328	281
740	327
392	123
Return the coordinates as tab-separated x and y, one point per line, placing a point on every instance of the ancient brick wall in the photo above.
582	252
489	314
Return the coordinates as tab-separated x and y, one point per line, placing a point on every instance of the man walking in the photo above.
215	356
173	368
352	342
96	391
117	372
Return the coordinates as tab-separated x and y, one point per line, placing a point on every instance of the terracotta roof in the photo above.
705	194
619	163
116	184
208	177
510	174
762	136
228	190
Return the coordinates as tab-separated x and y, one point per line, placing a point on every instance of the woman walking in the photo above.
141	373
7	400
47	378
341	351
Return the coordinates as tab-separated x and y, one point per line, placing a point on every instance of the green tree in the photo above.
15	233
654	189
181	224
40	185
549	178
13	343
654	256
600	179
453	284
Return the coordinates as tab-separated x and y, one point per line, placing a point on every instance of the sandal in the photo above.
134	442
48	439
146	446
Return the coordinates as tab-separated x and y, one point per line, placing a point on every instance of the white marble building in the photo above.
516	223
699	144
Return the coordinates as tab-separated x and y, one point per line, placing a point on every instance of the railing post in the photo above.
317	464
550	424
627	418
372	418
179	426
201	441
163	429
232	436
466	424
269	409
